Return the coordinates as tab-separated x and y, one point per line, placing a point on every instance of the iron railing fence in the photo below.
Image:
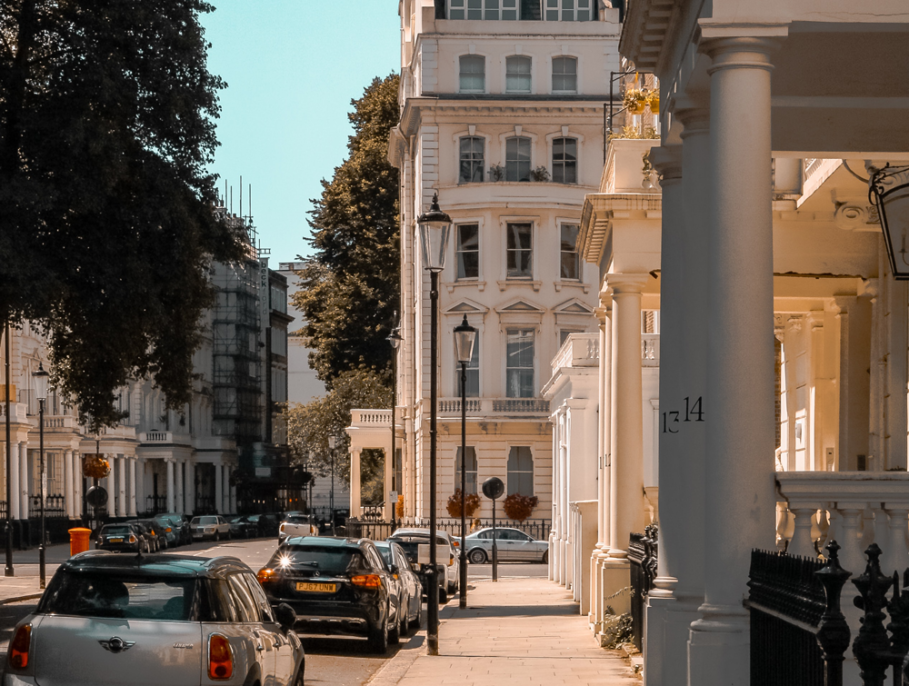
642	554
361	527
54	506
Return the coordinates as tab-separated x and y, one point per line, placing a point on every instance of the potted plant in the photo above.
635	100
519	507
496	172
539	174
471	504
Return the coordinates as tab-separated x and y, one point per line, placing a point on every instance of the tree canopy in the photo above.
106	221
350	286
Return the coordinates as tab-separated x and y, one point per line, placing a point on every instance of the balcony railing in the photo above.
370	417
578	350
650	349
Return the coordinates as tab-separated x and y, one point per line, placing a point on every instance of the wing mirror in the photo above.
286	616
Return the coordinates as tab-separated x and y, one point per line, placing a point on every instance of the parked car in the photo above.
214	527
266	524
410	587
168	531
336	586
241	527
511	545
446	560
181	526
122	538
178	617
297	524
156	540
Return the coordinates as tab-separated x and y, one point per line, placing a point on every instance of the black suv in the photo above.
336	586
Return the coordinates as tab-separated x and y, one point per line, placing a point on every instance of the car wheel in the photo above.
545	557
394	634
217	535
378	638
229	536
477	556
443	596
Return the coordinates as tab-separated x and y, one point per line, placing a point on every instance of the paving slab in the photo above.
525	631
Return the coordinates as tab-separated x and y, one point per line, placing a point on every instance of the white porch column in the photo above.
68	494
170	485
77	484
225	504
111	485
132	486
738	405
141	501
219	488
389	472
896	448
178	493
233	498
355	510
24	485
122	506
189	489
15	490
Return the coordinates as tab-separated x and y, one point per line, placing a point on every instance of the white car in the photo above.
511	545
108	619
446	555
214	527
298	525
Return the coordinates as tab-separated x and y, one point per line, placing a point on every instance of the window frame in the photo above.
564	162
577	255
519	139
520	330
510	485
458	251
472	159
529	60
475	471
509	251
558	8
459	10
568	59
462	73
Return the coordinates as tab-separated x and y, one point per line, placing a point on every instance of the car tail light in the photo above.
220	657
265	575
282	527
367	580
18	649
456	544
168	529
132	539
451	560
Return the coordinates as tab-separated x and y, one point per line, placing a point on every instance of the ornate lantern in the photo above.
889	191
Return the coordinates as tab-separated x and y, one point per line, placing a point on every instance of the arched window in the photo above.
517	159
473	74
517	74
564	75
565	160
520	470
471	159
471	476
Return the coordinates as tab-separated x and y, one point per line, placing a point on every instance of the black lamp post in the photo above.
395	339
465	338
435	226
332	444
888	189
40	378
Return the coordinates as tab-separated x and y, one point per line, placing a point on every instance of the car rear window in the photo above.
325	559
107	594
386	555
205	520
297	519
116	531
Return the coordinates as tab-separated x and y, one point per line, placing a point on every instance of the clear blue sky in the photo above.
292	68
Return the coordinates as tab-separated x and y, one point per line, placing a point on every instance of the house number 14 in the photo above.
694	412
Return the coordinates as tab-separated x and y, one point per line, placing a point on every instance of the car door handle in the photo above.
259	646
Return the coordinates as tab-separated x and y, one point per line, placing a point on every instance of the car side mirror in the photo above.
286	616
394	569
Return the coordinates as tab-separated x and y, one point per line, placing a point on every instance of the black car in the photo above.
122	538
180	524
154	533
336	586
241	527
266	524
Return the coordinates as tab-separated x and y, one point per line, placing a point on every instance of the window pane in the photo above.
517	74
520	470
473	69
519	363
471	160
517	159
519	251
569	237
564	74
471	475
468	251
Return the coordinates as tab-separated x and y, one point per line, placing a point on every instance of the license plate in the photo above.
115	540
315	588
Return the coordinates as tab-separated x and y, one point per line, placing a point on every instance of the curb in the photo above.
20	598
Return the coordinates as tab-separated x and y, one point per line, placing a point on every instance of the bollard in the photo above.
79	540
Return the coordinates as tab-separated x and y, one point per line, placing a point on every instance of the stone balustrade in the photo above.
18	412
854	508
578	350
370	418
650	349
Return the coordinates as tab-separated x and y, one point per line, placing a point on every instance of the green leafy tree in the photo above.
106	222
309	426
350	285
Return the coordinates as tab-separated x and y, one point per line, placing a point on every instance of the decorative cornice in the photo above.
599	211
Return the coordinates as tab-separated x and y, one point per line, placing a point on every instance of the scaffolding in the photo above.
237	360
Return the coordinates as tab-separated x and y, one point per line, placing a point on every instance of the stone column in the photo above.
68	493
355	510
178	493
189	489
556	498
897	377
219	488
225	504
739	402
77	484
170	485
855	355
122	505
389	472
112	485
141	499
233	498
132	486
15	490
24	485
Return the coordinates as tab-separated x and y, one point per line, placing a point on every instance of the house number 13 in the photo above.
694	412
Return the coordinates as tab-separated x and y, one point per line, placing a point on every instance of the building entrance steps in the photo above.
517	631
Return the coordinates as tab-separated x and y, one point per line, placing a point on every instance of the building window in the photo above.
473	372
468	251
570	264
520	251
278	299
569	10
565	333
517	159
471	476
519	363
564	75
471	159
279	341
517	74
520	470
473	73
565	160
483	9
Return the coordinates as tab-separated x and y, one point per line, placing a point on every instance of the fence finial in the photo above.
872	640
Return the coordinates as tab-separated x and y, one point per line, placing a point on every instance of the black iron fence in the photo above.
54	506
642	554
367	527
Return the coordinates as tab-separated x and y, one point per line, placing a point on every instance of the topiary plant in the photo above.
471	504
519	507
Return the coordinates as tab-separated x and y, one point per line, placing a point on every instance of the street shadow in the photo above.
346	646
474	611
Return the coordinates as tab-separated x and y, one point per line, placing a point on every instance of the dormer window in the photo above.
569	10
484	9
473	74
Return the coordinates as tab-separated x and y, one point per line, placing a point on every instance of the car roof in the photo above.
154	564
419	532
326	541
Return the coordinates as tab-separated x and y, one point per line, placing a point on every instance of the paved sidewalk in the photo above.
516	631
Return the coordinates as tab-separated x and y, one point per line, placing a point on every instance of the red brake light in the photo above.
168	529
220	658
18	649
132	539
265	575
456	544
367	580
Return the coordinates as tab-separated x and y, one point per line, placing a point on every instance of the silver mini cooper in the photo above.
154	619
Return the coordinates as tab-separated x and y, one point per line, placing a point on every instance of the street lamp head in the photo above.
41	377
395	337
888	189
435	226
332	441
465	338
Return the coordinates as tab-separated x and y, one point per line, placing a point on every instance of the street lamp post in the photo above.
395	339
40	378
465	338
9	571
332	444
435	226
